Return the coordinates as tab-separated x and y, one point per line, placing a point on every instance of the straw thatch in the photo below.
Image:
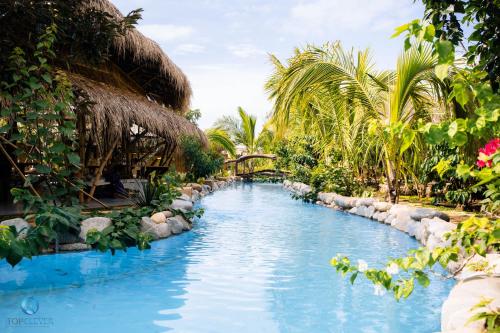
144	61
113	112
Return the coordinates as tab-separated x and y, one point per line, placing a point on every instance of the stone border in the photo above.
159	225
428	226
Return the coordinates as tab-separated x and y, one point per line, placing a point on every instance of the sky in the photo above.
223	46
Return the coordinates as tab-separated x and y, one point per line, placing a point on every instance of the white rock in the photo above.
382	216
456	309
421	213
365	202
156	230
354	210
375	215
326	197
439	227
97	223
382	206
182	204
492	261
175	225
159	218
402	223
345	202
20	224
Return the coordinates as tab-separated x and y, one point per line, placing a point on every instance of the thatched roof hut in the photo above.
143	61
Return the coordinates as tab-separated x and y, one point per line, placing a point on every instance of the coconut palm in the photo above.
241	130
369	117
219	139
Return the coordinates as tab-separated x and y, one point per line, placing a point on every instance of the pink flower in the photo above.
488	150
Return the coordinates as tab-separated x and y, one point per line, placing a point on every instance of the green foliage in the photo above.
193	116
220	140
490	315
334	178
199	161
477	236
299	156
123	233
158	192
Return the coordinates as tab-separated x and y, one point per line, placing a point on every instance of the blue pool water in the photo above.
257	261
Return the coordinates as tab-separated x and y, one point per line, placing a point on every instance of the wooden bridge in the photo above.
248	171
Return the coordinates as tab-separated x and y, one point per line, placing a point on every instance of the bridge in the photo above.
250	173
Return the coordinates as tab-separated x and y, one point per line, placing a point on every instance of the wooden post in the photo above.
11	161
98	172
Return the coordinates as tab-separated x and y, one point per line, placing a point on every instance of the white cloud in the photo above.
189	48
218	89
354	15
245	50
165	32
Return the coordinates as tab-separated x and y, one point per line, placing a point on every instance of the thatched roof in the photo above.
114	111
144	61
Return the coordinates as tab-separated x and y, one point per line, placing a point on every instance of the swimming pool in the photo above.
258	261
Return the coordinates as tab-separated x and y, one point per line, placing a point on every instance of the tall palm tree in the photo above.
241	130
219	139
356	110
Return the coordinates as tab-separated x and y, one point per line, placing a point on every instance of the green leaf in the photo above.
399	30
446	52
430	32
74	159
408	138
353	277
43	169
441	71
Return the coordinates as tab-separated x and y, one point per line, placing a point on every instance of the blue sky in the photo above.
223	45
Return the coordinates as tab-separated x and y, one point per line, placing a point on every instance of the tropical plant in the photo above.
242	130
363	114
220	140
199	161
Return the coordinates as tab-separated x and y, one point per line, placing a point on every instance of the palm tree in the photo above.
219	139
242	130
369	117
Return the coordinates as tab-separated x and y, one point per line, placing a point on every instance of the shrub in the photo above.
334	179
199	161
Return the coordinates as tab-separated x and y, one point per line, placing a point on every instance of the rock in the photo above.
491	262
195	186
403	223
382	206
207	188
175	225
389	218
74	247
159	218
365	202
421	232
439	228
97	223
421	213
369	211
196	195
326	197
20	224
156	230
184	197
455	311
182	204
186	225
382	216
187	190
375	215
354	210
345	202
167	214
